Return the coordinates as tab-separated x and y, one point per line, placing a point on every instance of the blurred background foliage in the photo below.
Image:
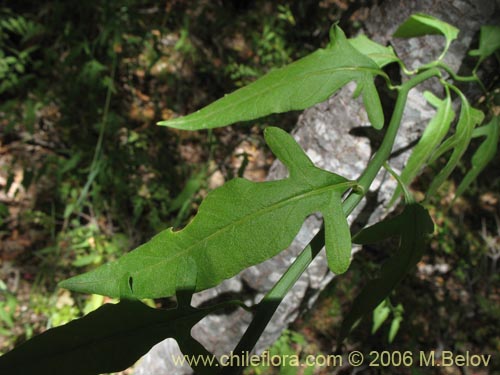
86	175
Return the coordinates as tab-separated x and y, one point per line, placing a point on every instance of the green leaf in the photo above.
433	134
458	142
489	42
297	86
110	339
238	225
371	100
380	315
423	24
396	322
413	226
483	155
381	55
337	235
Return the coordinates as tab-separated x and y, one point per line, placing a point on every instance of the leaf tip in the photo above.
336	34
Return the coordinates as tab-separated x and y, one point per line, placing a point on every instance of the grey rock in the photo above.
325	131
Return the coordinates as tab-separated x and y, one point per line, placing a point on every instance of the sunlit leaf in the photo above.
238	225
396	322
433	135
483	154
380	315
489	42
458	143
297	86
423	24
413	226
380	54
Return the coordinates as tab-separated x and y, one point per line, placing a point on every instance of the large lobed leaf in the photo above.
297	86
238	225
413	226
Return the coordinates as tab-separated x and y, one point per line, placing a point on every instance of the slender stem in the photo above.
267	307
383	153
456	77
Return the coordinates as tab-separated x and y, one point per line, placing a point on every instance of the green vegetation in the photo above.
85	174
95	203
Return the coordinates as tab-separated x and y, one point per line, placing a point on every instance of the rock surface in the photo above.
335	136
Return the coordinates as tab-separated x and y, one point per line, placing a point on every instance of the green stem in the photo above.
267	307
385	149
455	76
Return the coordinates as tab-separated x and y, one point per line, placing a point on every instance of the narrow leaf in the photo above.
433	134
110	339
483	155
414	224
380	315
394	329
458	142
297	86
238	225
489	42
423	24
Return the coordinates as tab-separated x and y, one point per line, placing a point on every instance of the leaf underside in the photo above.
422	24
238	225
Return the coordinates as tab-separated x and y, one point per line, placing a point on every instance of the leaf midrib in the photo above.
200	117
221	230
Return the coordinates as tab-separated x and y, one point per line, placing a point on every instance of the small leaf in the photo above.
110	339
380	315
238	225
489	42
381	55
423	24
483	155
413	225
297	86
396	322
